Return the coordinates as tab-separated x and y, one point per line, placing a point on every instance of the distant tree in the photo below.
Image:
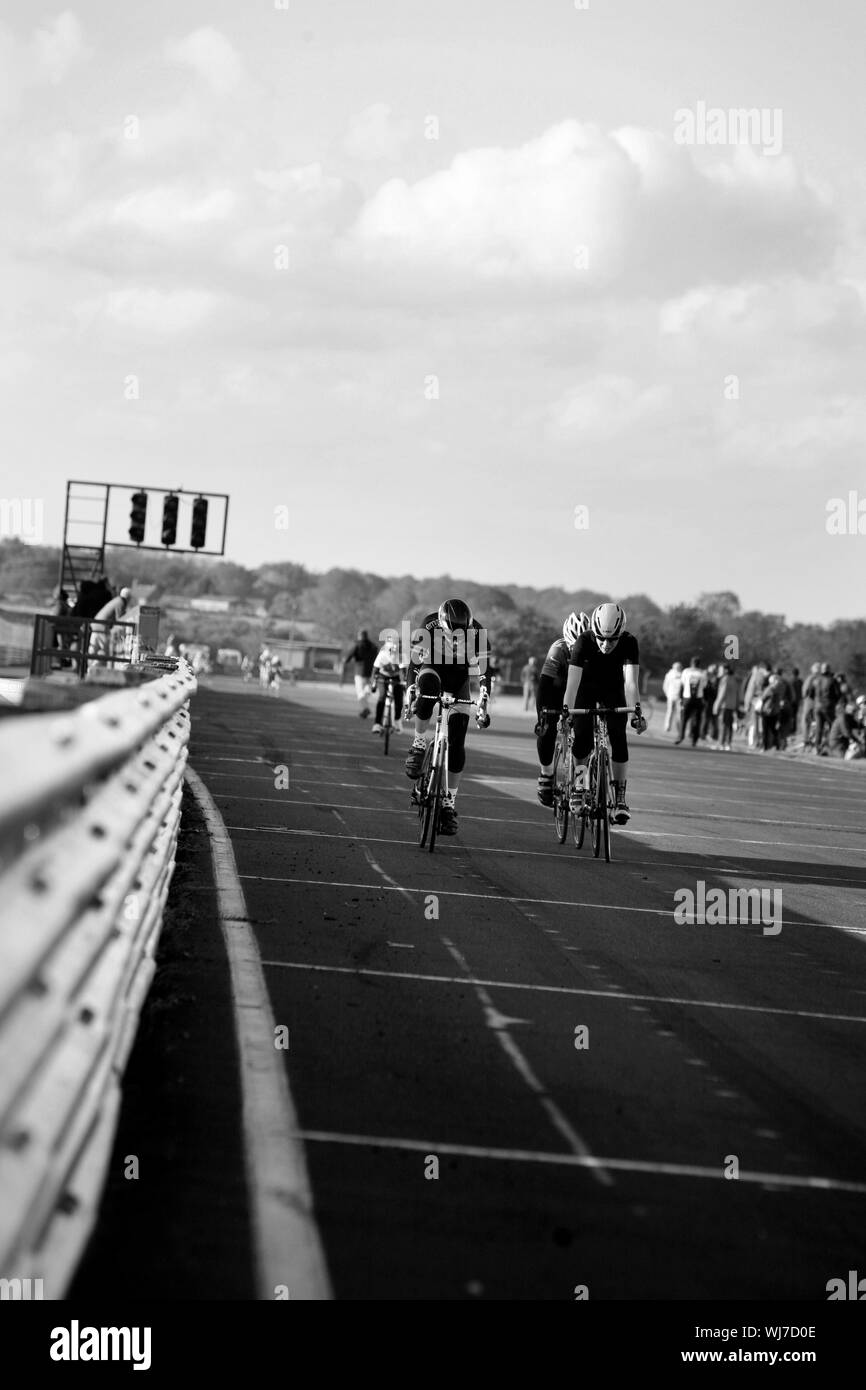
722	608
528	633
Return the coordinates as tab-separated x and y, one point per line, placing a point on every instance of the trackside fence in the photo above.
89	817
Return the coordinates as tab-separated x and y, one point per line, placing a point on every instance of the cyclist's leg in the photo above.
424	707
380	688
616	728
545	741
457	727
581	747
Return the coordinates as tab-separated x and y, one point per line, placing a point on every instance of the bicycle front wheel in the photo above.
435	802
595	793
604	809
560	795
423	793
386	730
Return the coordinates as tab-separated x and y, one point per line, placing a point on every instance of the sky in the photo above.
483	289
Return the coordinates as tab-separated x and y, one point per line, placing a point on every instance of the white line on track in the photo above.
793	1181
567	989
510	898
287	1246
520	1062
737	871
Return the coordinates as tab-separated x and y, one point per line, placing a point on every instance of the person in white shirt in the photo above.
694	683
672	687
385	665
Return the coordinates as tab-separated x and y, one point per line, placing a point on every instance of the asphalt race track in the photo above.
613	1102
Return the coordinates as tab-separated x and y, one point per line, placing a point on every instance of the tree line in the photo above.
522	621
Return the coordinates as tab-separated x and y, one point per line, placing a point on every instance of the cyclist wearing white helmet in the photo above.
451	645
387	664
551	693
604	666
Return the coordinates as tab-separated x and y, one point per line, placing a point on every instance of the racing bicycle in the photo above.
388	712
597	807
431	787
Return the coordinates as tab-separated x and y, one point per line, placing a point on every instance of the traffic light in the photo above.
199	523
137	515
169	519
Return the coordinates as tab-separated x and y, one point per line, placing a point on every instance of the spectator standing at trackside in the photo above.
363	654
796	687
529	676
826	700
808	700
494	671
672	689
709	720
62	609
110	613
755	686
785	700
726	705
694	683
772	706
842	732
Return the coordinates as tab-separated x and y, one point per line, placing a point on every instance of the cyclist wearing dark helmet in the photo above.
447	648
604	664
551	690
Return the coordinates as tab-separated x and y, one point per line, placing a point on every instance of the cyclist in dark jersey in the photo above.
604	666
448	647
551	695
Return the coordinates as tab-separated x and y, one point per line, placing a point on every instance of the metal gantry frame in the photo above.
79	562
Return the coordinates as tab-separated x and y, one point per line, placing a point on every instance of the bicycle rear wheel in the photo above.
435	802
423	791
560	795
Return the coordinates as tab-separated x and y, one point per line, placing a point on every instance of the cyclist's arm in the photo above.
571	689
632	684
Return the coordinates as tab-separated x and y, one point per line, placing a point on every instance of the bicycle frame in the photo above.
432	786
388	711
600	775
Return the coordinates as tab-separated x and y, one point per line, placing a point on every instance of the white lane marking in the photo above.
498	1023
636	836
288	1249
503	898
401	945
517	788
794	1181
571	989
392	882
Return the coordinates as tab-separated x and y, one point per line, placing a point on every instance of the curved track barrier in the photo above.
89	817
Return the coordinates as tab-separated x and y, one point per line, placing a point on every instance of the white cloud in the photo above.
607	405
211	56
167	211
58	46
159	311
583	209
375	134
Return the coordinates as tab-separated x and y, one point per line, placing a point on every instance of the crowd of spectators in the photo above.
772	709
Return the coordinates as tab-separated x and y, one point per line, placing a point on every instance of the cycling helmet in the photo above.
585	622
571	628
455	616
608	621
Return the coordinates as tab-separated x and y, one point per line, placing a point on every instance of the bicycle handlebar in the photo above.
618	709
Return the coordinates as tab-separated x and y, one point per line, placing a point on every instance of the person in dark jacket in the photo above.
363	654
826	700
